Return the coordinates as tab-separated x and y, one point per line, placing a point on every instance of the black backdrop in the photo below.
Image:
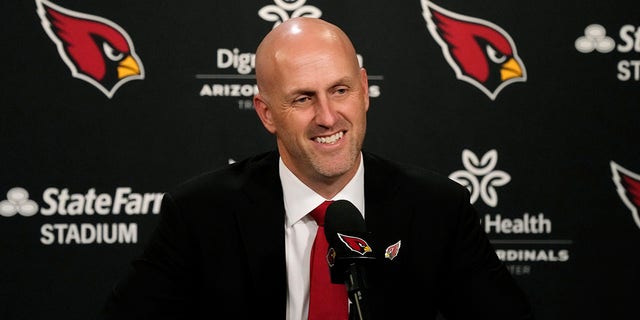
552	159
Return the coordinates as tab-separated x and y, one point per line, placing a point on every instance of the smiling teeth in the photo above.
330	139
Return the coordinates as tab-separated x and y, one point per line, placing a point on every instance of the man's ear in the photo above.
264	113
364	80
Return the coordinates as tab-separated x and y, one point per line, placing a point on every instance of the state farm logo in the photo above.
95	49
284	10
65	204
18	202
628	188
480	176
480	52
596	39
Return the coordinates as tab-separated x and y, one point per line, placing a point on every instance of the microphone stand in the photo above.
357	287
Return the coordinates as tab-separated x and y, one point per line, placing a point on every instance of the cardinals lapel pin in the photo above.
392	251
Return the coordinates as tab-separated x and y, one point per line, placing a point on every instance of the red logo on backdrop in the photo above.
480	52
95	49
628	187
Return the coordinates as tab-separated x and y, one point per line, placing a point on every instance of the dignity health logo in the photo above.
63	203
284	10
244	62
596	39
241	82
480	176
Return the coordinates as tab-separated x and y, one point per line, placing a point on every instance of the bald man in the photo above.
235	242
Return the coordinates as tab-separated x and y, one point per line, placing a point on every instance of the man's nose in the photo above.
326	114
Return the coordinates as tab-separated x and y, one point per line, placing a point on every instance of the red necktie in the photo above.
326	300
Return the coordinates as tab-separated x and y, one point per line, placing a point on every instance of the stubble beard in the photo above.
332	167
329	168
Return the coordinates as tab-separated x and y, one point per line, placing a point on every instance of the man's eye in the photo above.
302	100
341	91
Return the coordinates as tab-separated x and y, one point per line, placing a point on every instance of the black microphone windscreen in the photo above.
342	216
349	251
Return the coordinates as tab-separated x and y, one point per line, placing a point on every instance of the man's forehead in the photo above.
314	66
296	87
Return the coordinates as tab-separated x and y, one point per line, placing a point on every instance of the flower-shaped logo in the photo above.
284	10
18	202
480	178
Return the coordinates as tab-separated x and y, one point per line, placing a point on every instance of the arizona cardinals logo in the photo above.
96	50
331	257
355	244
480	52
628	187
392	251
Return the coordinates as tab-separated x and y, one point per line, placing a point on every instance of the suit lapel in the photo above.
386	213
261	222
381	191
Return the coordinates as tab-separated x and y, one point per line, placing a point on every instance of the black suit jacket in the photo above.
218	251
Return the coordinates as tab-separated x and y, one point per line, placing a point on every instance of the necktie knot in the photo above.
319	212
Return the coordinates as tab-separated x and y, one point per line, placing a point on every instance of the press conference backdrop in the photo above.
108	104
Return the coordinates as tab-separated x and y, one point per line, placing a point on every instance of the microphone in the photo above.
349	253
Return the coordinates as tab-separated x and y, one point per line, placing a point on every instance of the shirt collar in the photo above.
299	199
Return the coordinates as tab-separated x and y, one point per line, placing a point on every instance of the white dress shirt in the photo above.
300	230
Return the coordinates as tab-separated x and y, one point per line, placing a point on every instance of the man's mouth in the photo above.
330	139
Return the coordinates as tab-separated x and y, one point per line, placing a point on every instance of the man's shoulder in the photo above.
406	174
230	177
384	165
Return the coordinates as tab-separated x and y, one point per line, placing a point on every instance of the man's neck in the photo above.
328	186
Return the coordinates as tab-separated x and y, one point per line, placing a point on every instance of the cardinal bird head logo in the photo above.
355	244
392	250
95	49
480	52
628	187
